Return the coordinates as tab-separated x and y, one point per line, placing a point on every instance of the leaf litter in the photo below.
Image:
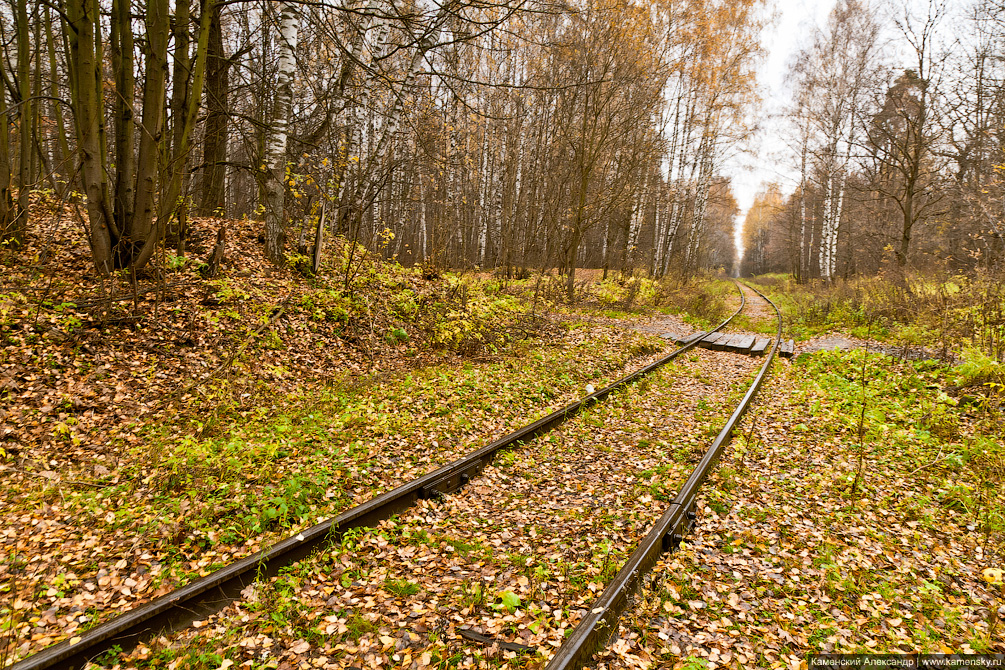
516	556
788	559
114	496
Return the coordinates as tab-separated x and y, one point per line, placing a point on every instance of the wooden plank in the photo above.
725	343
710	340
743	343
787	349
692	337
760	346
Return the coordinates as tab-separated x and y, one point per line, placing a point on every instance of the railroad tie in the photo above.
725	344
743	343
787	349
751	345
760	346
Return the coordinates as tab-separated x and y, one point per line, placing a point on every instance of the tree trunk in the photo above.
122	44
6	195
908	223
17	231
214	148
86	98
141	226
177	230
172	192
62	145
275	152
801	268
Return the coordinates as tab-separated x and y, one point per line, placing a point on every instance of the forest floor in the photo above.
153	432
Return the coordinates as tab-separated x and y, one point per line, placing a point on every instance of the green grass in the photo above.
401	588
938	313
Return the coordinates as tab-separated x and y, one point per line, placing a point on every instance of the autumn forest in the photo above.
511	334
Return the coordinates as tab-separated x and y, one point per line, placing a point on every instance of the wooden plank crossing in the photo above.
723	343
741	343
710	340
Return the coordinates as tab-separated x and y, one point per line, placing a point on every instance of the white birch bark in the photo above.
483	223
275	151
803	258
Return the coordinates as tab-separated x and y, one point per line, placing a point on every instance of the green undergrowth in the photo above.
703	301
754	325
942	314
909	417
898	469
700	299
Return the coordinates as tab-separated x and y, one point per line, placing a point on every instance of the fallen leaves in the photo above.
127	505
517	556
784	561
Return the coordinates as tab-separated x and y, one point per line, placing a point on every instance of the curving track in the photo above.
557	473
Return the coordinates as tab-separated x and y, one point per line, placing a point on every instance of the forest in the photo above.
495	135
900	167
443	334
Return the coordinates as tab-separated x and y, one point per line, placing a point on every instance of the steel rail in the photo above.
600	622
207	595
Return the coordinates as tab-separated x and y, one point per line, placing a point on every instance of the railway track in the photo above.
201	598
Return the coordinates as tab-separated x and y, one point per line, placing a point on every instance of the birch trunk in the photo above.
802	270
6	194
825	233
423	236
483	168
275	151
696	230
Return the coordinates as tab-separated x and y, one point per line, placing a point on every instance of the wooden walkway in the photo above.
739	343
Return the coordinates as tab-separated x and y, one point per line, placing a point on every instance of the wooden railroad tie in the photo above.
752	345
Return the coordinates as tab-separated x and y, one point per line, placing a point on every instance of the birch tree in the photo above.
834	77
275	149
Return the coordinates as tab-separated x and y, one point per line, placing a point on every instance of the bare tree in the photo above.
903	134
835	76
